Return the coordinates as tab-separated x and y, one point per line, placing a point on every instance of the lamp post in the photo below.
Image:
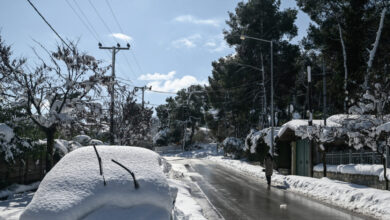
243	37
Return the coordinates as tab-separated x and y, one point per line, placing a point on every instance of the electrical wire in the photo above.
110	31
121	29
51	27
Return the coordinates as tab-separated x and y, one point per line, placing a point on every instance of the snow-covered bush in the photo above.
83	139
233	146
10	144
255	146
74	188
7	142
161	138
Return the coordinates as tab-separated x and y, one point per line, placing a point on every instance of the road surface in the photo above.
236	196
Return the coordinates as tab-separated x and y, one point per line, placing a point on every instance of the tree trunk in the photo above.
384	162
49	147
345	68
375	47
324	163
192	132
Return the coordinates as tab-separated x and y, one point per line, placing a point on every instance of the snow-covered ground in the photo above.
12	208
362	169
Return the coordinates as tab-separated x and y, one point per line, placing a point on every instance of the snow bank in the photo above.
74	188
12	208
357	198
362	169
186	208
204	151
18	188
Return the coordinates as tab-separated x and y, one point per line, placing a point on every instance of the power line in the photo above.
86	18
100	17
115	18
109	29
63	41
86	23
121	29
82	21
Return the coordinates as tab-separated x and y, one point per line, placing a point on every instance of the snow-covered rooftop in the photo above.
296	123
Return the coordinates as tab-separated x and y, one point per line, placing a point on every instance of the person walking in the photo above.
268	163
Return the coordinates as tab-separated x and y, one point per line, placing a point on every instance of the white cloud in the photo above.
188	42
167	82
121	36
175	85
194	20
216	44
157	76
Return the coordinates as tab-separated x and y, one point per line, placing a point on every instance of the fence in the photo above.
336	158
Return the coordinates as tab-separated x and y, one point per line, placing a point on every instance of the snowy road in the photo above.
237	196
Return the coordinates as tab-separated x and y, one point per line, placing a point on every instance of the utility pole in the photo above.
114	50
310	120
324	90
272	100
143	88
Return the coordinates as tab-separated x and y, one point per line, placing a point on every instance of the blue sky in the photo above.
173	41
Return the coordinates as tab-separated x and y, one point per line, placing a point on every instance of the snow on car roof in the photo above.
74	188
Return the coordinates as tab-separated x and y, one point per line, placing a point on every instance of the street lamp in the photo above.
243	37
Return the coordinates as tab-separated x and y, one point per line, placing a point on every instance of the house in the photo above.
293	140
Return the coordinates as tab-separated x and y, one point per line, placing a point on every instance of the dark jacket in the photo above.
268	163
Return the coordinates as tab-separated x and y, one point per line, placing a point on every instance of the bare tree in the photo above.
54	91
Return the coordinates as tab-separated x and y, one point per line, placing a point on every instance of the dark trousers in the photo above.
268	179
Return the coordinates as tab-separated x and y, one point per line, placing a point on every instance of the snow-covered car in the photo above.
128	183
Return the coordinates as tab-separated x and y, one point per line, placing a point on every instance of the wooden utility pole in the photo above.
114	50
143	88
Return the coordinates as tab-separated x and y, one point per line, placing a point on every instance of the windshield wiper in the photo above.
100	165
136	185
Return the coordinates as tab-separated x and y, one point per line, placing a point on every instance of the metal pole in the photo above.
185	123
143	92
310	121
272	101
324	90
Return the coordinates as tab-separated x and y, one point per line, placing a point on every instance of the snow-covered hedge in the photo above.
74	188
10	144
234	146
255	145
